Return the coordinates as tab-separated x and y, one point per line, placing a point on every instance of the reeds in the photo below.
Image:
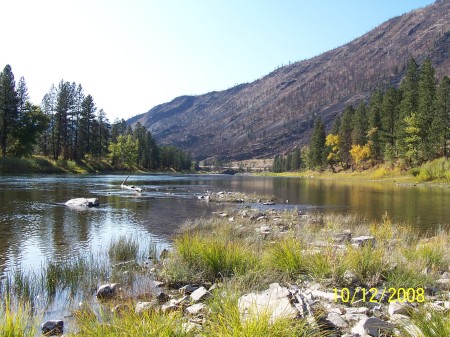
123	249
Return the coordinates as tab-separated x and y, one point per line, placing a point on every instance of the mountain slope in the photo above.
275	113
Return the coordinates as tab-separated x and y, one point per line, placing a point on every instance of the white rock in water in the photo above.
83	202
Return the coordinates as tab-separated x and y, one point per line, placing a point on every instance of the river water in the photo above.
36	227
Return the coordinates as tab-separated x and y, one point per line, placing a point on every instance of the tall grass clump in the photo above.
368	263
123	249
17	321
80	273
211	257
287	257
128	324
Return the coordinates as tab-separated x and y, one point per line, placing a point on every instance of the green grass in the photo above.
17	320
123	249
105	324
213	258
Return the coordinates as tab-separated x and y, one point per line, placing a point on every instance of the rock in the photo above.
188	288
274	301
264	229
83	202
173	305
107	291
362	241
196	309
325	296
359	310
443	281
398	308
354	317
190	326
162	297
343	237
52	327
349	277
144	306
372	326
200	294
336	320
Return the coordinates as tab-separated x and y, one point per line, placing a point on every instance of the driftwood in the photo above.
130	187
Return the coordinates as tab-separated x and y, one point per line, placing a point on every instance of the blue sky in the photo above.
131	55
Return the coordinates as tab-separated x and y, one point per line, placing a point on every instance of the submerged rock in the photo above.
83	202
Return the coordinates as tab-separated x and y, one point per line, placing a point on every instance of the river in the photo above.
36	227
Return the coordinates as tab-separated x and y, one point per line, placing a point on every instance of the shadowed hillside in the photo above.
275	113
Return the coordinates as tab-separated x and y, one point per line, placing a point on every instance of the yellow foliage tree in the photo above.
334	155
360	154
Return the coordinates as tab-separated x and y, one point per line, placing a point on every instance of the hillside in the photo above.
274	114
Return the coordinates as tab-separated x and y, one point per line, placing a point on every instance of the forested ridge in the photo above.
68	126
408	125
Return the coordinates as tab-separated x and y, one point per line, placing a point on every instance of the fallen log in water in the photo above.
130	187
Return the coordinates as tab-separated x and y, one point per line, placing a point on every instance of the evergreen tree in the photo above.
296	159
375	127
317	145
8	107
409	101
48	107
345	136
389	121
440	127
336	125
88	110
360	124
425	113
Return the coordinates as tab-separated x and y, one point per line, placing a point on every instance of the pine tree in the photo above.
87	118
317	145
375	128
426	104
440	128
345	136
409	101
360	124
8	107
389	122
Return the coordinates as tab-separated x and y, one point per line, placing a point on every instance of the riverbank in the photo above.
248	272
436	172
44	165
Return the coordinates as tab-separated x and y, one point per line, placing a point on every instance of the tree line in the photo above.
67	125
408	125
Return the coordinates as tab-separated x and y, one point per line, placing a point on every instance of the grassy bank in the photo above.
240	253
37	164
436	171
